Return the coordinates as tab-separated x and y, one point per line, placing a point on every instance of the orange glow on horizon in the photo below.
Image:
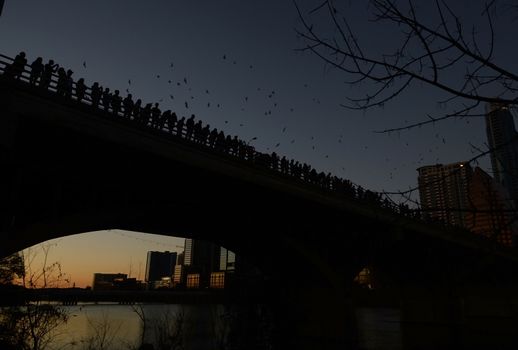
72	260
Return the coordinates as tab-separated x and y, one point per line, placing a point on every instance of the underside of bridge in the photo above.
67	169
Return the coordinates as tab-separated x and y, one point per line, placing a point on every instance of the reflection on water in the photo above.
210	327
120	326
379	328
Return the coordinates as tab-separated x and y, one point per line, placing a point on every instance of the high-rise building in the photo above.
489	213
187	251
443	190
227	260
158	265
503	141
201	257
178	277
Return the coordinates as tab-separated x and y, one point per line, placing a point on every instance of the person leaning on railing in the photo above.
96	93
116	103
106	99
36	70
46	76
80	90
15	69
128	106
68	84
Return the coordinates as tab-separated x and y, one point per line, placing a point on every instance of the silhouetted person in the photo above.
179	126
128	104
284	165
189	126
155	116
250	152
234	145
305	171
197	132
164	119
69	84
171	122
145	114
116	102
96	94
62	81
16	69
227	144
80	90
213	136
242	149
274	161
106	99
359	193
137	109
205	132
46	77
36	70
220	141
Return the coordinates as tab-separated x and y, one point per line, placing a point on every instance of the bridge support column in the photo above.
315	318
431	320
8	127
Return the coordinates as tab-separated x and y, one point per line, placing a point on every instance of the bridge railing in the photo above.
143	118
182	131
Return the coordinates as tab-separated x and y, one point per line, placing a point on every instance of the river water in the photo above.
120	327
114	326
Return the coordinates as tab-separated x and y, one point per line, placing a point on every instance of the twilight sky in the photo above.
232	63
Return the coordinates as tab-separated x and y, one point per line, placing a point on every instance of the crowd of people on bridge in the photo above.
50	76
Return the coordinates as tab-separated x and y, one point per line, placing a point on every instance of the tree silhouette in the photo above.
11	268
32	325
437	44
437	48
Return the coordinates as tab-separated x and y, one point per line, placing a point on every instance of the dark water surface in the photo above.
205	326
120	325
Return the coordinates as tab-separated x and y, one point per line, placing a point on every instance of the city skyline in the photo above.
79	263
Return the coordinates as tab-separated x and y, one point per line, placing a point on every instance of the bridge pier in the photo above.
431	319
315	318
463	318
8	128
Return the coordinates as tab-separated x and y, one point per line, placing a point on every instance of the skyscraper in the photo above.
201	257
489	213
443	190
159	264
503	140
227	260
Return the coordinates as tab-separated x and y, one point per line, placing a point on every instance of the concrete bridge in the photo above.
69	168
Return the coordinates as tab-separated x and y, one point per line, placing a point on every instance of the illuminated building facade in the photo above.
490	214
227	260
193	281
201	257
443	190
217	280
